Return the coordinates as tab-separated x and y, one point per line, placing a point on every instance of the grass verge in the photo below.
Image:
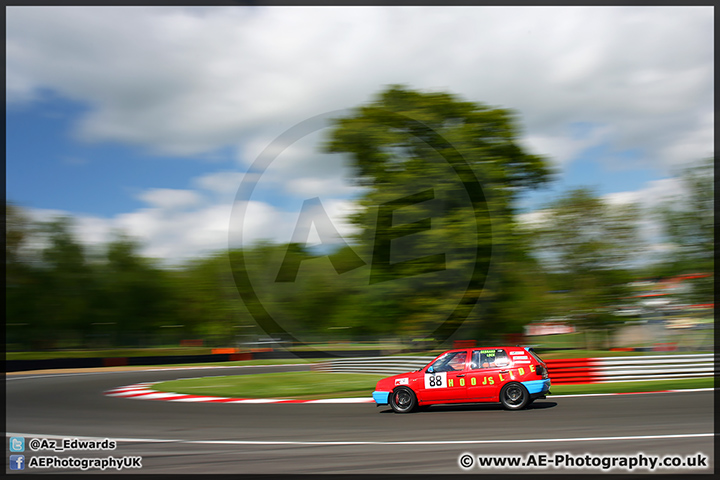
627	387
277	385
309	385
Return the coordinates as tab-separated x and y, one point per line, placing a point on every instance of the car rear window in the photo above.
534	355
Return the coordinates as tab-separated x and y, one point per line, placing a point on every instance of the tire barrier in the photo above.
562	371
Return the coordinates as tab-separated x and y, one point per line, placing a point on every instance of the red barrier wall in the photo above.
573	371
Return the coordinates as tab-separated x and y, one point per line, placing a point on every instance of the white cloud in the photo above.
262	221
532	219
648	199
179	225
564	146
222	183
655	193
189	81
93	230
192	81
168	198
313	186
338	210
182	224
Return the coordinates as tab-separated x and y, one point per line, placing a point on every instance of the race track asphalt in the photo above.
201	438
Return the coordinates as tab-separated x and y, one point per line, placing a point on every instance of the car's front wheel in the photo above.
514	396
403	400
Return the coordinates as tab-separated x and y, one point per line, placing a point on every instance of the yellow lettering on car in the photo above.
492	381
484	381
521	371
450	382
532	368
501	377
462	382
473	381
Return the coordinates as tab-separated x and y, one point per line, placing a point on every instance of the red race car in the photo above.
513	376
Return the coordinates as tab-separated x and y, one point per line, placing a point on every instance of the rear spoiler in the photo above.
531	350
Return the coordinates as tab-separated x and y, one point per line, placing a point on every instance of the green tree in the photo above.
310	304
65	282
133	295
688	225
581	235
442	178
22	287
522	290
208	303
18	230
588	246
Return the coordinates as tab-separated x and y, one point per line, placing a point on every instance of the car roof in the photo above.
482	348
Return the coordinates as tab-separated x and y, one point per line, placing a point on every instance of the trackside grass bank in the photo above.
277	385
306	385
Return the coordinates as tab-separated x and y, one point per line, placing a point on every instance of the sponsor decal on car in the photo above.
401	381
436	380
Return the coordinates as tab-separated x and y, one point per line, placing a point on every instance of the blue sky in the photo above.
145	119
48	168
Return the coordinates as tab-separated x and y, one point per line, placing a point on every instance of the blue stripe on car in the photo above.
537	386
381	398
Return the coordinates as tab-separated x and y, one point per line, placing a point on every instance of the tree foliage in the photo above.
688	220
442	180
689	227
434	156
588	246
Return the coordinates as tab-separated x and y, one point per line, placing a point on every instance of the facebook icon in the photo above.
17	462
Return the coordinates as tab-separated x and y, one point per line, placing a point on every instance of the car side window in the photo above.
501	358
457	363
451	362
489	358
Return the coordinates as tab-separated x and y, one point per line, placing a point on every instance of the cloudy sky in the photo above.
147	119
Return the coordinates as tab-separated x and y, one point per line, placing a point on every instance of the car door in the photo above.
444	381
488	371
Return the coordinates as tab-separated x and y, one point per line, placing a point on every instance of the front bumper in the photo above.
381	398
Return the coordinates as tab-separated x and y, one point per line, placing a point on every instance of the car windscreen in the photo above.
449	362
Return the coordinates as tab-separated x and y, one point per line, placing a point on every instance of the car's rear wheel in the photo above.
403	400
514	396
